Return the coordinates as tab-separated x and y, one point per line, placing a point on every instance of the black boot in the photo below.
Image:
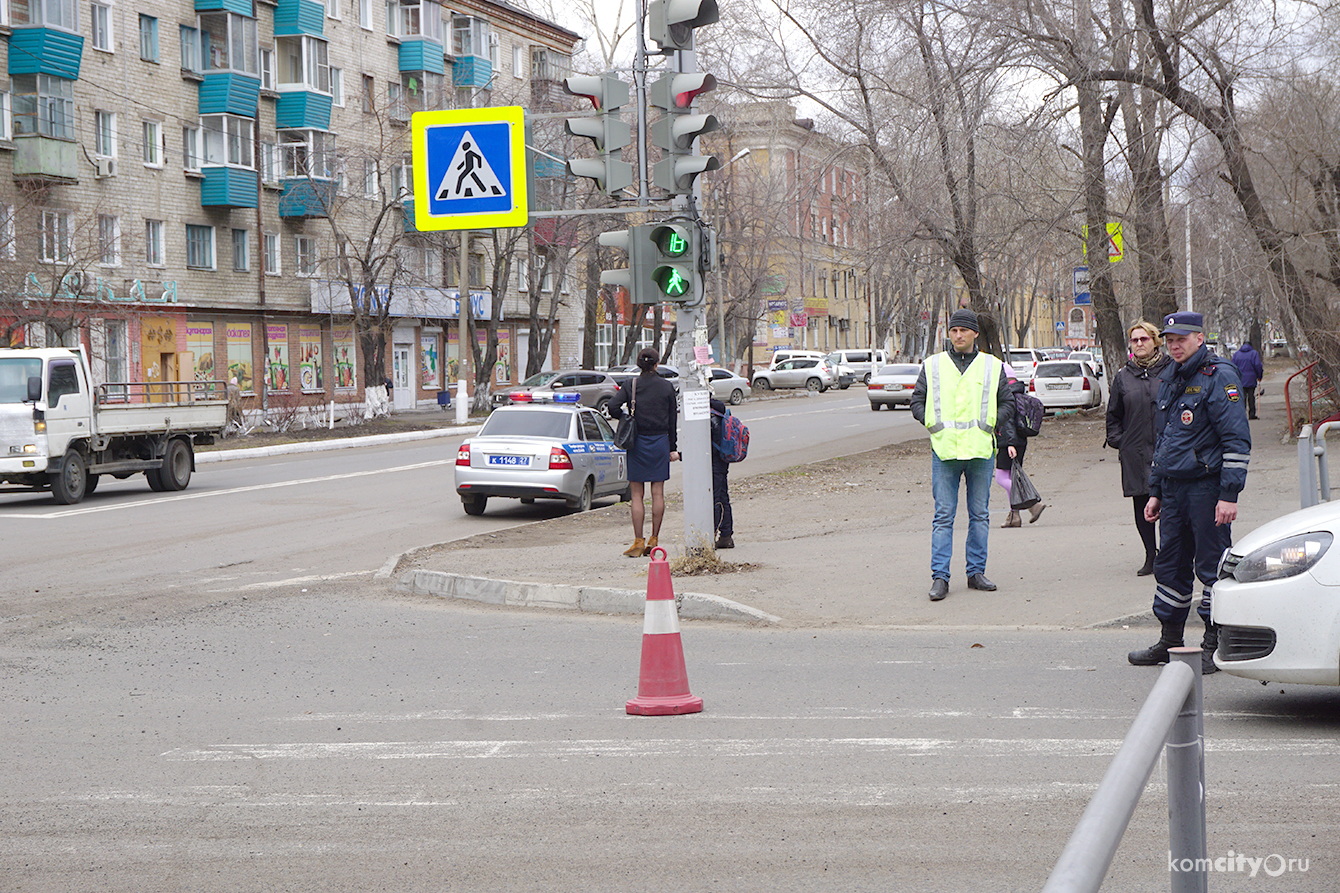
1157	653
1207	648
1148	567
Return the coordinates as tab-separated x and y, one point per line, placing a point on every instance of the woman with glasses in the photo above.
1130	425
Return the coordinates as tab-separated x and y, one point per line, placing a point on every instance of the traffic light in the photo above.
636	240
670	23
606	130
676	247
677	128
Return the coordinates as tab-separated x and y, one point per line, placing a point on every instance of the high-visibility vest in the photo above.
961	406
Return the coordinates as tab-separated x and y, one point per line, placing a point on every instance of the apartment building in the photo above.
184	188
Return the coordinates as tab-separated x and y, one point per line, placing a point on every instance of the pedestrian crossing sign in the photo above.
470	169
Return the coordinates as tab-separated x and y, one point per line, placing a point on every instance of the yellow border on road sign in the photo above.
519	215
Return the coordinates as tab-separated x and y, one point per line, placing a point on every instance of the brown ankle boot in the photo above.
637	550
651	544
1012	520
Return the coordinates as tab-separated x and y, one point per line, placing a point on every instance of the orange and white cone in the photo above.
663	685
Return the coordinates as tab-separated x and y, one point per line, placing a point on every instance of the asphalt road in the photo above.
340	739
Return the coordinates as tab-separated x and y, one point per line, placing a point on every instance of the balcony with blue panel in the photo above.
302	110
422	55
229	93
472	71
241	7
304	197
48	51
294	17
228	187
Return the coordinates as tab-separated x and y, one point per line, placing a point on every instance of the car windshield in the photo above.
901	369
1059	370
14	375
528	423
538	380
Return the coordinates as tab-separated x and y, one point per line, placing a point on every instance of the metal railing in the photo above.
1171	715
117	393
1317	389
1314	476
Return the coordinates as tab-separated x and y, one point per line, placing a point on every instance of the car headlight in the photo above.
1283	558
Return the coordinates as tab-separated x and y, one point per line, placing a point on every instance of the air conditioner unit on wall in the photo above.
106	167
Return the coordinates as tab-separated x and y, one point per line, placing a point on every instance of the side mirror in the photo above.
34	388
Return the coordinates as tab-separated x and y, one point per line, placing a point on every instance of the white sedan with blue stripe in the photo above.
534	450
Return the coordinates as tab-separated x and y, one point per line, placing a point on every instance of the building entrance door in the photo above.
402	378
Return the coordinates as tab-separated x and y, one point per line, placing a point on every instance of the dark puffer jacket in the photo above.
1130	422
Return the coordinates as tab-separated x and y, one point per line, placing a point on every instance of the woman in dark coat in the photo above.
1130	425
1005	462
651	400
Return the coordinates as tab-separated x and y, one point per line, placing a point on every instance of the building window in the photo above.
228	43
303	64
469	36
308	153
148	38
101	22
333	8
369	94
43	104
153	143
116	354
370	178
199	247
7	246
392	17
365	14
109	240
518	61
267	68
241	251
104	134
228	140
153	243
304	255
477	271
495	52
395	101
6	122
269	168
337	87
399	185
417	18
272	254
190	148
57	236
63	14
190	49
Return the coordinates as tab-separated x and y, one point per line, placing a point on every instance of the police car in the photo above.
541	449
1277	600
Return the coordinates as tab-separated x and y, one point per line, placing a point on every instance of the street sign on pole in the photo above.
470	169
1082	285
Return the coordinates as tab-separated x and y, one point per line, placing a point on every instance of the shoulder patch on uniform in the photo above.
1207	370
1231	390
1195	390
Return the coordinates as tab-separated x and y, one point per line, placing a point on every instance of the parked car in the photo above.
541	450
1024	360
1089	357
1275	600
845	375
594	389
786	353
1055	353
1066	384
892	385
621	374
729	387
862	362
803	372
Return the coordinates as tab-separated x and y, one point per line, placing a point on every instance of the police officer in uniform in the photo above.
1200	465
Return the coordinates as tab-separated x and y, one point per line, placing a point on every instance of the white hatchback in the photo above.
1066	384
1277	600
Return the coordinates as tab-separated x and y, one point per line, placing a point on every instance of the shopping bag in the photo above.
1023	494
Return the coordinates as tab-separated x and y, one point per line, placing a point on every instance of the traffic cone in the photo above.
663	685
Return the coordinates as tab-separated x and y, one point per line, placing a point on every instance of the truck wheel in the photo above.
176	471
69	484
91	483
155	478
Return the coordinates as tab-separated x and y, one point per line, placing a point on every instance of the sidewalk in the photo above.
847	542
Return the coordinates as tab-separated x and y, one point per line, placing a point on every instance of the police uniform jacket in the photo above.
1202	426
1130	421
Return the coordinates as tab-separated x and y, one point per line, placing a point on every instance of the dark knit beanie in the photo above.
963	318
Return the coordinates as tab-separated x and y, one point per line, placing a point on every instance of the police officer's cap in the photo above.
1183	323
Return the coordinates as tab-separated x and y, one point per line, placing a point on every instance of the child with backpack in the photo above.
1027	423
730	443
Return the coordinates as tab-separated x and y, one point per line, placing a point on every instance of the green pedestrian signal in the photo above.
674	269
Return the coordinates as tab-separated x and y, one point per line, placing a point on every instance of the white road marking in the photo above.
293	581
159	500
1050	748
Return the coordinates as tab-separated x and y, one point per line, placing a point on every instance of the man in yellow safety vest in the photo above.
961	396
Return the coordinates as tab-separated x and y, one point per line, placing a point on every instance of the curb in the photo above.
320	446
589	599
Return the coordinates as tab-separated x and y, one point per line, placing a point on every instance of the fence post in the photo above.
1187	853
1307	469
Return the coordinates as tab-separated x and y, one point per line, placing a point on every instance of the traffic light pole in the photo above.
695	440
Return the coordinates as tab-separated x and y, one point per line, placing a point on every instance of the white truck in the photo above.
58	432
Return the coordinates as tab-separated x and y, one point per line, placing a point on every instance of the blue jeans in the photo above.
945	476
